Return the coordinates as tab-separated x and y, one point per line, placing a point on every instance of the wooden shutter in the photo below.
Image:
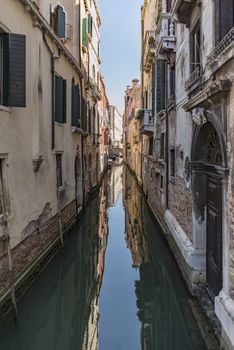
161	93
14	70
64	116
61	22
90	25
75	106
84	32
58	99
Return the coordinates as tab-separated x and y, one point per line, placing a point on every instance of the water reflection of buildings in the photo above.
65	303
163	304
114	184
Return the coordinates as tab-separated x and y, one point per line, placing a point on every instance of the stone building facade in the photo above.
187	150
131	128
45	135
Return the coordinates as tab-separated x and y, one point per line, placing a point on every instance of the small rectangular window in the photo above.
172	163
151	145
59	170
162	145
161	182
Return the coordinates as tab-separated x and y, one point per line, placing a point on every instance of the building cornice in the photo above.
44	25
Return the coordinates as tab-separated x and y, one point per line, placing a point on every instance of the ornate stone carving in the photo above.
198	116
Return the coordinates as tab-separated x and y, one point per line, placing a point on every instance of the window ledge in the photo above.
61	189
75	129
5	109
60	124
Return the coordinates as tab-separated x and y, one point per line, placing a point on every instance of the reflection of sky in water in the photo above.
146	308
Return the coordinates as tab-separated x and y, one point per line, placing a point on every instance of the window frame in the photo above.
194	54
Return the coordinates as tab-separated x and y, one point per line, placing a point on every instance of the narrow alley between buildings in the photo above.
115	285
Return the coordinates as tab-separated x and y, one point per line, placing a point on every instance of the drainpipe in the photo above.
7	240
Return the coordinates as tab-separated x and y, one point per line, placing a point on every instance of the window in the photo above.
59	170
76	122
151	145
162	145
161	182
196	47
60	99
169	5
172	162
90	25
12	70
59	22
225	17
84	33
161	84
172	81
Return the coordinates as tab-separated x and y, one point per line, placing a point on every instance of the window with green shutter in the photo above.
84	32
90	25
60	22
60	99
13	70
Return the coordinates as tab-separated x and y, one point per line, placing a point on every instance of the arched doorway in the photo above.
208	170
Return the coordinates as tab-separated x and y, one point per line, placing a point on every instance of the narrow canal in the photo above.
114	286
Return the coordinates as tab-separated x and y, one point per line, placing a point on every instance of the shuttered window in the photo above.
226	17
60	22
161	85
84	32
90	25
60	99
76	106
172	162
13	70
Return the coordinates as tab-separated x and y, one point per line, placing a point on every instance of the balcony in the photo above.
183	9
166	39
149	50
147	126
222	47
194	79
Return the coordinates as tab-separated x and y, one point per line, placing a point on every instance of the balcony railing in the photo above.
194	77
148	122
223	44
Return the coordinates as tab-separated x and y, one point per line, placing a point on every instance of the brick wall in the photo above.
180	204
31	248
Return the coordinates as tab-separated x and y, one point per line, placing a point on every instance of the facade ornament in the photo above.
198	116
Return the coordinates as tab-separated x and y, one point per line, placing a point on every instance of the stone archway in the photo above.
209	161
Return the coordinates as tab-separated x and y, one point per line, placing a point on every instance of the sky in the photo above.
120	46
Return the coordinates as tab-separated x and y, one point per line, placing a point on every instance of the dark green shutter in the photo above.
226	15
75	105
90	25
58	99
61	22
64	116
84	32
161	93
14	70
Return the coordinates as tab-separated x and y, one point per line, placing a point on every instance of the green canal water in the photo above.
114	286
